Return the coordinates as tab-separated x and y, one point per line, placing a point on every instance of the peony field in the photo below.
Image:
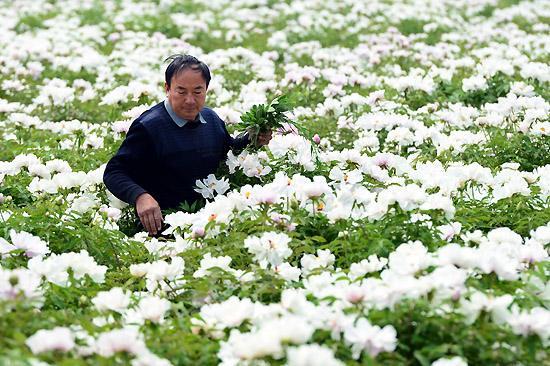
399	217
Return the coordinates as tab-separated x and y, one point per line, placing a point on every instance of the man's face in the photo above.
187	93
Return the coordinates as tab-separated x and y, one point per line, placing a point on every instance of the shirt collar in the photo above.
178	120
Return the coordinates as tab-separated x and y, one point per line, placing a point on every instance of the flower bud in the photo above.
198	232
14	280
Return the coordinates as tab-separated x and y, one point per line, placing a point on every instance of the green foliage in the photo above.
433	37
92	15
426	336
327	37
236	78
158	23
411	26
30	22
267	116
502	147
519	213
498	86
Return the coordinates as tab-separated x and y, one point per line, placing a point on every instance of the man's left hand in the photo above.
264	137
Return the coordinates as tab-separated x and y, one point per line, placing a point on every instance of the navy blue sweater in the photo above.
165	160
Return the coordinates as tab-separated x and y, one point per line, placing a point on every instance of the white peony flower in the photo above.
139	269
208	186
149	359
323	259
449	231
153	308
116	299
453	361
208	262
21	282
159	271
228	314
533	321
311	355
365	337
56	339
496	305
120	340
288	272
541	234
32	245
6	247
473	83
249	346
270	248
371	264
55	267
409	258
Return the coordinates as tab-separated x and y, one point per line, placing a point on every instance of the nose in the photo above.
188	99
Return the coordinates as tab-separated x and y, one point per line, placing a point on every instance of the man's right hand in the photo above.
149	213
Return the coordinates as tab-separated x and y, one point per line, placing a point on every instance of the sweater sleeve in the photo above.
240	142
134	155
236	143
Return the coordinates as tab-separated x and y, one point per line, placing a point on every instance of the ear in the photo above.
166	88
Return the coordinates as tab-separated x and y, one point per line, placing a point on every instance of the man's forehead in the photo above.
188	77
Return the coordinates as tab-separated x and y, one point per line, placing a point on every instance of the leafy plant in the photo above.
265	117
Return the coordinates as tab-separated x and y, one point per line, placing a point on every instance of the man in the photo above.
172	145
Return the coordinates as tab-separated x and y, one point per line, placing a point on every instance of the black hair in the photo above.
181	62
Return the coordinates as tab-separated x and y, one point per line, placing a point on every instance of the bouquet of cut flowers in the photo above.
267	117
